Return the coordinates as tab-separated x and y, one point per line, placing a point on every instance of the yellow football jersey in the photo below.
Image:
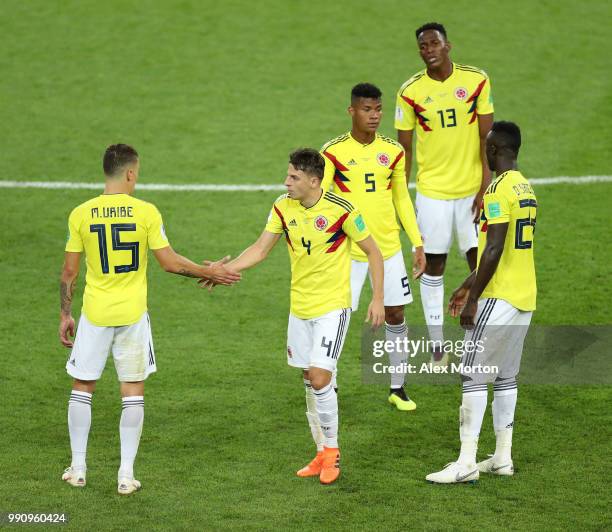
115	231
372	177
510	199
318	240
445	115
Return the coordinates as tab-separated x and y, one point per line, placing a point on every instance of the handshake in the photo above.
218	273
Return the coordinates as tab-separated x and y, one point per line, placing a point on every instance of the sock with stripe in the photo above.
327	410
471	413
313	417
432	298
79	423
334	380
505	393
130	428
397	357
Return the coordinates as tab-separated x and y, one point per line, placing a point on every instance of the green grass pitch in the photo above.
220	92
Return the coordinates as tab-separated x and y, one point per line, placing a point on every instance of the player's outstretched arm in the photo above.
485	123
217	272
256	252
496	236
70	273
251	256
376	310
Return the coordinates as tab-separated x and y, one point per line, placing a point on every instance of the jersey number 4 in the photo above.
116	229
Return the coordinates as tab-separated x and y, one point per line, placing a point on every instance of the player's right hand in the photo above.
219	274
66	328
419	262
458	300
376	313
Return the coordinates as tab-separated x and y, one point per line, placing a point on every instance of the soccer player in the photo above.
367	169
319	228
115	230
450	107
497	299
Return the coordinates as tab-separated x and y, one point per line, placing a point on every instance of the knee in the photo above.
129	389
394	315
435	264
84	386
319	380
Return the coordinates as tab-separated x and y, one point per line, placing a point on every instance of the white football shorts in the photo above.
498	337
317	342
397	286
437	218
132	347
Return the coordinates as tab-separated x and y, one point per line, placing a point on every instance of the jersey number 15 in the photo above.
116	229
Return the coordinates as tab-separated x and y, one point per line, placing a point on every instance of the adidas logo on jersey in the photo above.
428	100
293	223
352	162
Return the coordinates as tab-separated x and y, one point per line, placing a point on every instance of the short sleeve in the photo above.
496	208
328	175
354	226
75	241
156	235
275	221
484	105
404	113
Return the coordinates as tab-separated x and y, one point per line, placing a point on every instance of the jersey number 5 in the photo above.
370	182
134	247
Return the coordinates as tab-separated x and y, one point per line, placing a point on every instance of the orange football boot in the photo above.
330	469
313	469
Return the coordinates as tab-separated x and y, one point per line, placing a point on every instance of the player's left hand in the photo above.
468	314
376	313
206	282
458	300
418	262
476	205
66	329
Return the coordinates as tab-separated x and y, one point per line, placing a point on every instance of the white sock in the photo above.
334	381
397	357
504	403
432	298
130	428
313	417
79	423
327	409
471	413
